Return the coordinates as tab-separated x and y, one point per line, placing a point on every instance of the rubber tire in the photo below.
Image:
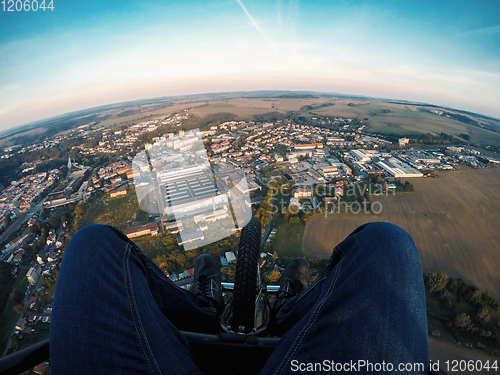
245	282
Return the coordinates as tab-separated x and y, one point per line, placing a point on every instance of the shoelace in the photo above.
203	285
294	289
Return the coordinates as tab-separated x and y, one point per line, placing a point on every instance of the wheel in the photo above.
246	278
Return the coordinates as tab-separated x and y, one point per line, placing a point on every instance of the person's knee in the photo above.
391	240
384	230
91	238
382	239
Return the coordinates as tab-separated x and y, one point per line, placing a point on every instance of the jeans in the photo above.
115	312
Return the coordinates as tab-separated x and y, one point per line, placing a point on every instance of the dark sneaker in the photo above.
207	280
294	280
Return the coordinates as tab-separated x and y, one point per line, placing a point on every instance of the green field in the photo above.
384	118
118	212
288	239
149	246
405	120
223	106
139	117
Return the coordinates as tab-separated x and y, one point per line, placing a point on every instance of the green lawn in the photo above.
149	245
116	212
484	137
288	239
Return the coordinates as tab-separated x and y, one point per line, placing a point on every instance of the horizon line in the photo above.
33	124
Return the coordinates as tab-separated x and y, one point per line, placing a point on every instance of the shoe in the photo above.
207	280
294	280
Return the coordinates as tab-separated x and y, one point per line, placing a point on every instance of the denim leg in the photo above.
115	312
368	304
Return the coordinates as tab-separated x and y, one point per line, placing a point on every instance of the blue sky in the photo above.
84	54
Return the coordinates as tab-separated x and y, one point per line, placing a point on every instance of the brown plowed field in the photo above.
454	220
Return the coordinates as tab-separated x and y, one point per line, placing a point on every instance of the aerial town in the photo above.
198	186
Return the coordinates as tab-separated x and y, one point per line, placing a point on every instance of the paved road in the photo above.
20	221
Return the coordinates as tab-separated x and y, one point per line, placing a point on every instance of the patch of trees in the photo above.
269	116
266	206
467	312
465	136
374	178
318	106
362	196
381	112
17	298
429	138
296	96
353	169
56	126
6	281
357	104
461	118
173	257
273	277
304	157
407	187
128	113
10	169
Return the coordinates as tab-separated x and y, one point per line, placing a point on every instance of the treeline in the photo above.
6	281
406	187
461	118
209	120
429	138
57	126
269	116
467	313
50	158
128	113
318	106
171	255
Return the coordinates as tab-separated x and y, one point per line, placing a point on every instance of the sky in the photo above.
89	53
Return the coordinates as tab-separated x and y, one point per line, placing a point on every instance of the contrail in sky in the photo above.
483	31
255	24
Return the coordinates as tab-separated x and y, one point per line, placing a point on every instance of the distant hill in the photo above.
123	110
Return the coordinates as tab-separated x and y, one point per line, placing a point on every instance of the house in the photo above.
18	256
142	230
118	192
231	258
34	274
403	141
302	193
22	326
223	261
